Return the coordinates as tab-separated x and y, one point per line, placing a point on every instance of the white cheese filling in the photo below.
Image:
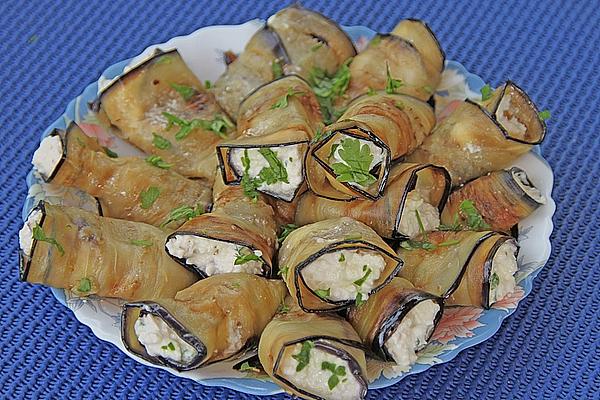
504	267
524	183
411	334
342	274
377	152
160	339
26	232
48	155
290	156
214	256
409	224
314	379
511	123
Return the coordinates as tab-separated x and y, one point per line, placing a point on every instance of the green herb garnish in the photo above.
248	184
160	142
170	346
164	60
39	235
357	161
334	147
399	105
318	136
277	69
375	41
157	161
242	259
246	367
141	242
283	270
304	356
283	101
285	231
361	281
486	92
329	88
337	371
323	293
391	84
283	308
358	301
473	218
544	115
85	285
455	226
342	258
109	152
448	243
149	196
371	92
415	245
494	281
183	212
207	84
274	173
186	92
218	125
316	46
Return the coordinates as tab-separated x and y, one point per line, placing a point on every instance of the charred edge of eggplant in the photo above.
435	39
276	45
24	260
266	268
397	38
99	207
320	342
149	307
487	269
271	82
225	166
511	182
390	324
341	304
384	176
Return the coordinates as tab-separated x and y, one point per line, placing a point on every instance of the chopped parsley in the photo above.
357	161
170	346
109	152
157	161
303	357
149	196
186	92
399	105
283	101
323	293
363	279
428	89
494	281
39	235
342	257
277	69
246	367
242	259
274	173
473	218
285	231
375	41
544	115
160	142
416	244
141	242
207	84
358	301
448	243
316	46
283	270
283	308
319	135
454	226
371	92
183	212
391	84
85	285
329	88
219	125
337	371
248	184
353	237
486	92
164	60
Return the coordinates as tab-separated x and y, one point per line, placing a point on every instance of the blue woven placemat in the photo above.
548	349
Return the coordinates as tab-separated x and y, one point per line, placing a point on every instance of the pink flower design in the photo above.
457	322
361	44
510	300
446	111
97	131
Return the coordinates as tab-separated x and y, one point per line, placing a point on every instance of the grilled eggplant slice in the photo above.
466	268
411	187
72	249
396	322
162	108
314	356
209	321
127	187
502	197
334	263
479	138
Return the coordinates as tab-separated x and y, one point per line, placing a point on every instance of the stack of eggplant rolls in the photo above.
308	203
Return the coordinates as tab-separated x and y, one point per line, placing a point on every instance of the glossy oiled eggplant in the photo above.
327	338
127	187
162	97
72	249
503	198
460	266
479	138
383	215
218	317
312	246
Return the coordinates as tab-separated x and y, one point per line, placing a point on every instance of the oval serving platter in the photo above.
202	50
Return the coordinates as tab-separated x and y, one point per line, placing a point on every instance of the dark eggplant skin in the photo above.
128	318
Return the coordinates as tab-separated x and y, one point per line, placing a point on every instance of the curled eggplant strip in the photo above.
328	338
163	98
426	183
334	263
466	267
479	138
75	250
503	198
127	187
209	321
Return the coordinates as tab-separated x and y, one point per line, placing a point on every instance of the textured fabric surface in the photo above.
547	349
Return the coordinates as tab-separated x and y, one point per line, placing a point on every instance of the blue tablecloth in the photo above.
547	349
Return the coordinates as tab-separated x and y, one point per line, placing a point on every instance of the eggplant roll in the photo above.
466	268
409	61
396	322
314	356
239	235
331	264
127	187
162	108
72	249
411	188
479	138
503	198
209	321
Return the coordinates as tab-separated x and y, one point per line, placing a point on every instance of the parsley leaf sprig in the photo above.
283	101
329	88
183	212
157	161
357	161
337	371
186	92
424	244
473	218
219	125
149	196
141	242
243	258
285	231
303	357
323	293
544	115
277	69
274	173
367	271
109	152
85	285
169	346
486	92
39	235
160	142
391	84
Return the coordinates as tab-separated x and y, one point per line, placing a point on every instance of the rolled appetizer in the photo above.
411	189
396	322
502	199
466	268
127	187
239	235
334	263
79	251
161	107
209	321
314	356
479	138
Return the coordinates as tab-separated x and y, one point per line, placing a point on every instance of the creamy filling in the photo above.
508	120
411	334
377	152
26	232
160	339
504	267
343	274
409	223
290	156
48	155
524	183
214	256
316	378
